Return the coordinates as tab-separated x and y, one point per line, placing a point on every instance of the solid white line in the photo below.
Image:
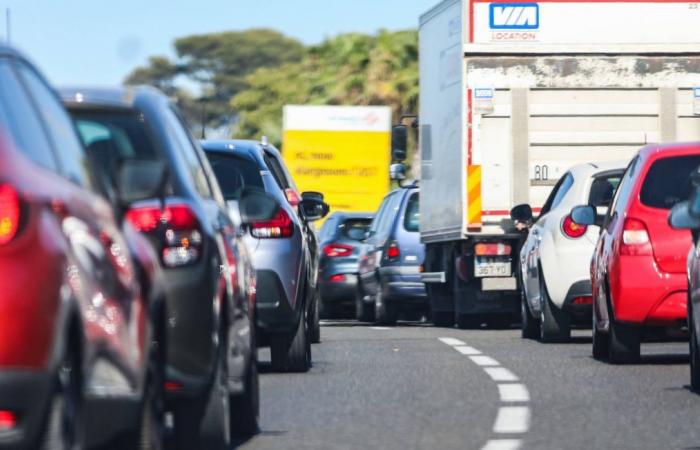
502	444
512	419
482	360
466	350
451	341
380	328
513	393
500	374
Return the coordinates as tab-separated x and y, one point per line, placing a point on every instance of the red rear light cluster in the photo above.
337	250
338	278
572	229
292	197
177	226
585	300
492	249
635	239
280	226
393	252
8	420
9	213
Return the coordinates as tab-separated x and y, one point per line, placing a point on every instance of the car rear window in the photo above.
355	229
603	189
235	174
412	217
668	181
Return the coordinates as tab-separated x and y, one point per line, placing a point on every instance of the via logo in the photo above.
514	16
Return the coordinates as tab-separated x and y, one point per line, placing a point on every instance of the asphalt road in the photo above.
405	388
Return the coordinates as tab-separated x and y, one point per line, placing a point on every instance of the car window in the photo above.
668	181
412	216
387	220
276	170
355	229
549	204
381	213
19	118
603	189
620	199
235	174
59	125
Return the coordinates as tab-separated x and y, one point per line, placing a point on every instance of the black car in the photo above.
211	370
341	237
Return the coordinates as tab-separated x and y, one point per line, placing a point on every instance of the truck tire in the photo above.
292	353
385	311
555	324
363	311
444	319
530	327
468	321
440	295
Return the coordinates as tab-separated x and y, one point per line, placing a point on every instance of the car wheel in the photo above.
245	407
443	319
530	326
385	312
694	352
363	311
63	427
292	353
555	324
624	343
315	326
152	425
601	341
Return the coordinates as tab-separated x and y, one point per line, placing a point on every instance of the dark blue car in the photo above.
390	259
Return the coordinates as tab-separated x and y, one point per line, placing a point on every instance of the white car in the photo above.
555	259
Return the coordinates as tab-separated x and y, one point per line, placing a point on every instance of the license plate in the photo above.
491	267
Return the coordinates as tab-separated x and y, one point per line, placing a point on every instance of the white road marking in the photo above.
512	419
483	360
513	393
500	374
467	350
503	444
451	341
380	328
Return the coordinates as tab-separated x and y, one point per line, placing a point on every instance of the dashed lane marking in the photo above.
380	328
503	444
483	360
513	393
512	419
467	350
451	341
500	374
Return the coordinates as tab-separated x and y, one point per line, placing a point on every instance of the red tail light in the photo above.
172	386
492	249
280	226
337	250
292	197
572	229
635	239
9	213
586	300
177	226
8	420
338	278
393	252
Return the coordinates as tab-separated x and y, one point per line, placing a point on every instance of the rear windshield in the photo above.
603	189
235	174
355	229
412	217
668	181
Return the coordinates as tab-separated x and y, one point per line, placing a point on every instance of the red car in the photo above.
77	366
638	269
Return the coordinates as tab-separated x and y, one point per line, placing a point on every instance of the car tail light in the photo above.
338	278
177	226
492	249
585	300
292	197
337	250
393	252
172	386
572	229
635	239
280	226
9	213
8	420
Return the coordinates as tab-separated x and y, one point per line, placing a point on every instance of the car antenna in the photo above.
264	141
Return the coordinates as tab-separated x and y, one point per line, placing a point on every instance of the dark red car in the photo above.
638	270
77	366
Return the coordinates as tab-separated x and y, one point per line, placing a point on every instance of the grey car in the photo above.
284	249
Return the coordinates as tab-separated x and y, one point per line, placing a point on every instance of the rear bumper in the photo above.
274	312
581	313
338	291
27	394
403	285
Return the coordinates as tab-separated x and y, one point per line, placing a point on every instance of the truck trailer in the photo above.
512	94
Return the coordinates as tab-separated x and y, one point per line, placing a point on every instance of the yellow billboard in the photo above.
341	151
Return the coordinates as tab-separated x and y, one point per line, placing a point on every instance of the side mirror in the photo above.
312	207
141	180
680	218
399	143
312	195
397	172
584	215
521	213
256	206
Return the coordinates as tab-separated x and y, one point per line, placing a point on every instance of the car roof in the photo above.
237	145
657	151
352	215
581	171
108	97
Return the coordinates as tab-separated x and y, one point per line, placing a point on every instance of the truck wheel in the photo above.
245	407
443	319
468	321
363	311
385	312
601	341
555	324
624	343
292	353
530	325
441	295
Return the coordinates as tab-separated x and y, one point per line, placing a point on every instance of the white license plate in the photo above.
491	267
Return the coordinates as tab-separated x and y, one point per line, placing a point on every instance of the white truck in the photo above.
512	95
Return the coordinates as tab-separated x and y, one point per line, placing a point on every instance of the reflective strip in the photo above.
474	195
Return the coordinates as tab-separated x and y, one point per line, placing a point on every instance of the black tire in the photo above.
63	424
292	353
555	324
315	326
363	311
385	311
530	327
245	407
625	343
601	341
151	434
468	321
694	355
443	319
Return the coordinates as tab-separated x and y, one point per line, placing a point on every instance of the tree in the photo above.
159	72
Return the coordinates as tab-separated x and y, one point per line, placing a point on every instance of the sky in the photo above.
98	42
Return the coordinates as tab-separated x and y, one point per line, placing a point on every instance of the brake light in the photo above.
177	226
635	239
292	197
572	229
337	250
585	300
338	278
9	213
8	420
280	226
393	252
172	386
492	249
